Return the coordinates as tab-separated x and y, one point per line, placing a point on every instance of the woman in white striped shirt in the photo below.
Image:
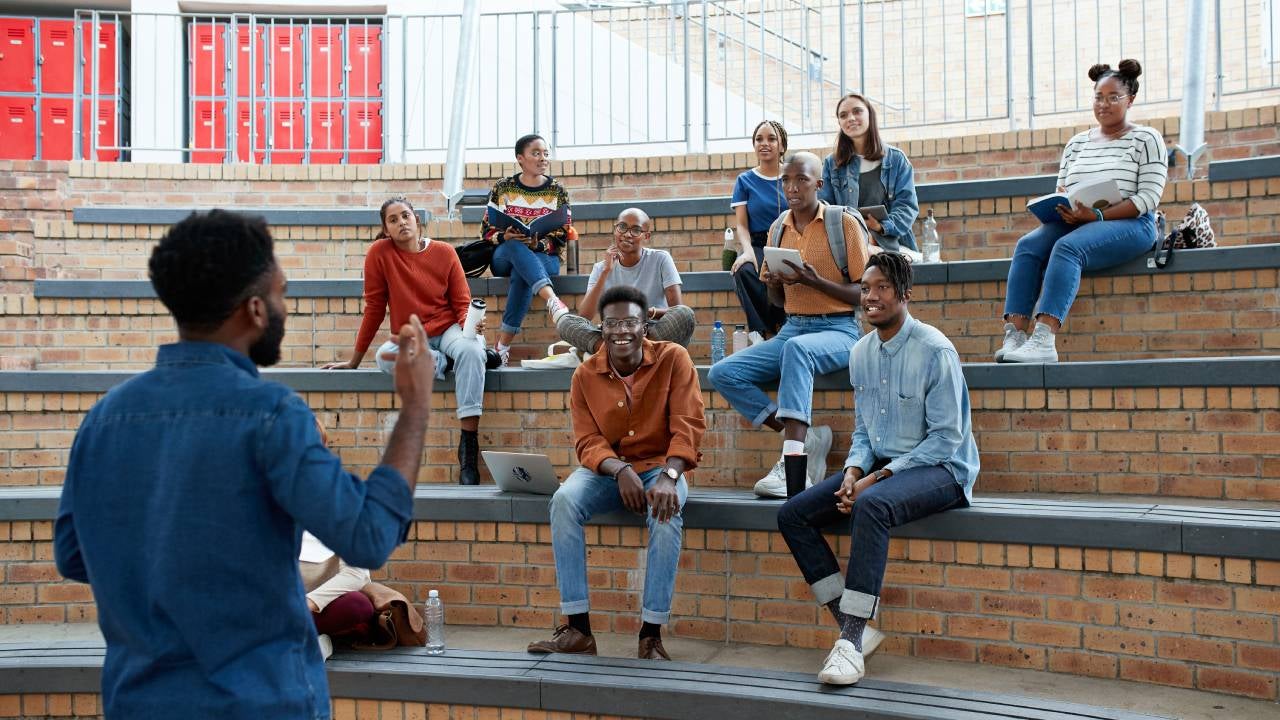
1047	262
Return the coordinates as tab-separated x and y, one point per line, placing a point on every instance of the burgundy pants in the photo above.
348	615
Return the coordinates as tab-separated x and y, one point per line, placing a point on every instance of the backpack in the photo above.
1192	233
834	223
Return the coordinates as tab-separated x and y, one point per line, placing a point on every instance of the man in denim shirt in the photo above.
913	455
189	487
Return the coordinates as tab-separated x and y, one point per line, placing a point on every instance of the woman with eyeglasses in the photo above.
529	262
1047	262
864	172
757	201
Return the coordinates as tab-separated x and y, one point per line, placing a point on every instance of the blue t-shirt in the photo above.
763	197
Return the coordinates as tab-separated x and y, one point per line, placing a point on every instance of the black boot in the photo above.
468	458
796	468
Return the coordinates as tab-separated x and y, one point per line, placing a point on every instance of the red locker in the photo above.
255	70
326	60
104	55
209	132
364	132
18	115
57	128
364	57
208	43
326	125
103	122
57	58
288	133
18	56
286	61
255	131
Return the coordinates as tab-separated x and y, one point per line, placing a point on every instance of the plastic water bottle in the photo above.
717	343
740	340
730	253
930	245
435	624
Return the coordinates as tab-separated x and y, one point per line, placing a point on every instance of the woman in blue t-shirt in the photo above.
757	201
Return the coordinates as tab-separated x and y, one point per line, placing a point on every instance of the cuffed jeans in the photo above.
585	494
1047	262
807	345
899	499
528	271
468	366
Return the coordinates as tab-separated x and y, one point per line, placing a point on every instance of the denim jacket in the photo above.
186	494
840	187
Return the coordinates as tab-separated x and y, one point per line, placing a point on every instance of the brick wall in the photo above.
1201	622
1213	443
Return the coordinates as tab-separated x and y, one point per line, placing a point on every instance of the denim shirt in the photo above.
911	404
840	187
186	494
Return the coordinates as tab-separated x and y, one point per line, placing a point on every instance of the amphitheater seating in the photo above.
585	686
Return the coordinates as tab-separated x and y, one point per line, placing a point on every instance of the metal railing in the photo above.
679	75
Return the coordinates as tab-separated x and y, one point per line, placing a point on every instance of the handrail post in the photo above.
456	156
1191	126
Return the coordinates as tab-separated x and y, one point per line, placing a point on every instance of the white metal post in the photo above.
456	155
1195	60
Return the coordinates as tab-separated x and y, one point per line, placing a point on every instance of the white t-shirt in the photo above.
655	272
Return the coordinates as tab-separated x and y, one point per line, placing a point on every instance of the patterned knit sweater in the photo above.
528	204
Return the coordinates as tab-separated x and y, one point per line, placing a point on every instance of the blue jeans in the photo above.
468	367
585	494
897	500
1048	261
529	272
807	345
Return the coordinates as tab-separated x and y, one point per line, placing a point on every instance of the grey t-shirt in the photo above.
655	272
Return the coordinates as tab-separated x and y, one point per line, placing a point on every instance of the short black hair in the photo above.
896	267
208	264
622	293
524	141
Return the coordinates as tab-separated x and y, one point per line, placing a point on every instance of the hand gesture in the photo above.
632	490
803	275
415	367
1077	215
610	257
663	499
773	280
851	487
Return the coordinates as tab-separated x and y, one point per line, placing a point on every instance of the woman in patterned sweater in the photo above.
528	261
1047	262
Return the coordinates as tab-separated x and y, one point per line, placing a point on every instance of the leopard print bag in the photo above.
1193	233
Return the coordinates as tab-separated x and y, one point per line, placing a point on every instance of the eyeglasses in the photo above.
630	230
1108	99
630	323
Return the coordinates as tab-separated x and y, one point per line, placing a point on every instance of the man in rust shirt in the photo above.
637	422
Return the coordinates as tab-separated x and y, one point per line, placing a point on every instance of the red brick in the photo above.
1237	682
944	649
1081	663
980	578
1118	589
1047	634
1195	650
1046	583
1235	625
1016	605
982	628
1185	593
945	600
1119	641
1262	657
1152	671
1031	658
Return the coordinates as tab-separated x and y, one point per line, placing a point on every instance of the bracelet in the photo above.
618	472
1098	212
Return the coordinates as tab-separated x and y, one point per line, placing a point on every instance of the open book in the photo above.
537	228
1096	195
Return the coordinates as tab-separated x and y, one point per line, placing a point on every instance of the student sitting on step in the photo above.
913	455
411	274
819	299
629	261
637	425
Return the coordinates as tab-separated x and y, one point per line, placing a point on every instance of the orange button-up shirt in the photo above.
663	419
814	248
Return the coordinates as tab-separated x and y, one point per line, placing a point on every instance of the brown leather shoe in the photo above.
651	649
566	640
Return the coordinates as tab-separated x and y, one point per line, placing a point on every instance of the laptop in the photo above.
522	472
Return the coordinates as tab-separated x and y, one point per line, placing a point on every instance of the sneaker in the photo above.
1013	339
817	443
773	485
556	309
843	666
504	355
871	639
326	646
1041	347
568	358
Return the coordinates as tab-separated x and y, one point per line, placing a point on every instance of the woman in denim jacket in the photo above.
864	172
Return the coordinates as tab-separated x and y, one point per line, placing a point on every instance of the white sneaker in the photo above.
871	639
326	646
1013	339
773	485
555	360
556	309
504	354
844	666
817	443
1041	347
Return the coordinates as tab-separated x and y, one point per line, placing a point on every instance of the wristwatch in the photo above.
671	473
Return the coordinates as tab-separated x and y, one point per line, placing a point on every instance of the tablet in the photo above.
774	257
876	211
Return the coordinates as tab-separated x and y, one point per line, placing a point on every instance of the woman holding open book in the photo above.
866	174
529	260
1047	262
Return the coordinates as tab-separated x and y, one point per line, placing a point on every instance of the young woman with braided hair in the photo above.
757	201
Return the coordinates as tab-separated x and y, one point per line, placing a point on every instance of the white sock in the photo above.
793	447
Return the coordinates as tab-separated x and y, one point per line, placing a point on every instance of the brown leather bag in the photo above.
396	621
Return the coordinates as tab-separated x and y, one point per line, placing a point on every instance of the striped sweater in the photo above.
528	204
1137	161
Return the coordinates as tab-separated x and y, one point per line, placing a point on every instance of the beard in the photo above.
265	351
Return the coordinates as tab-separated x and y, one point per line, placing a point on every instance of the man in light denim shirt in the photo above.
189	486
913	455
